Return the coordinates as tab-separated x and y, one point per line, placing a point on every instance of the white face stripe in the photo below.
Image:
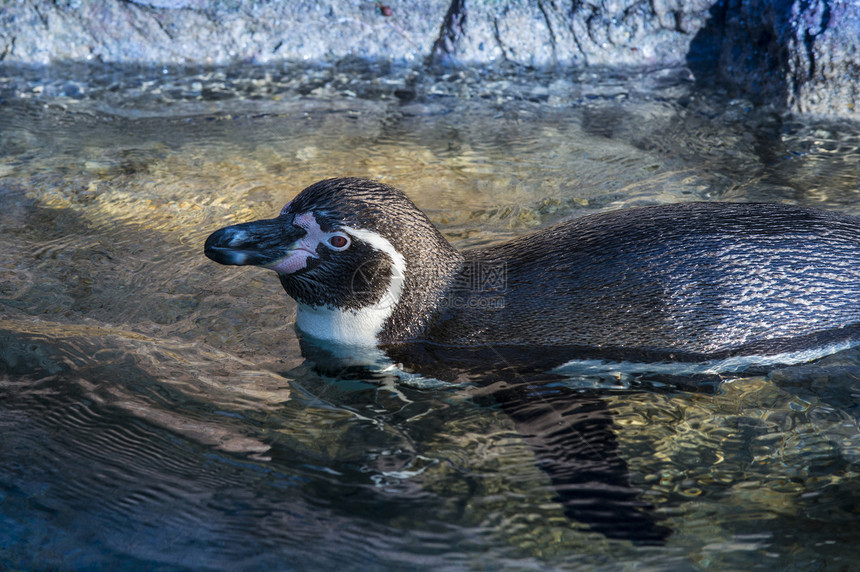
357	327
380	243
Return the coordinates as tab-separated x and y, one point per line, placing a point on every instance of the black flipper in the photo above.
571	431
573	440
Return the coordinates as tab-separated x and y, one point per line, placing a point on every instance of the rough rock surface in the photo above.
547	32
531	32
797	55
216	32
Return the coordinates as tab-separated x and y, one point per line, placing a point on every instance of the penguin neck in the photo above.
430	276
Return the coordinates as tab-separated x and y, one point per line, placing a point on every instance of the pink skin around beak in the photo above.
303	248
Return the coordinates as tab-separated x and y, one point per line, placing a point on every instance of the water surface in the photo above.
156	408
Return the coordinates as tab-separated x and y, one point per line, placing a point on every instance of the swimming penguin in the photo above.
688	282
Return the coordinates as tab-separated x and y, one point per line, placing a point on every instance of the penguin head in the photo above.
364	264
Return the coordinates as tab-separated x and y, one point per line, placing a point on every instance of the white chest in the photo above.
344	327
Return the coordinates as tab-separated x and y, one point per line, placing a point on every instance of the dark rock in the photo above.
796	55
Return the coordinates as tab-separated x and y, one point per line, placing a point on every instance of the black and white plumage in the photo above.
690	281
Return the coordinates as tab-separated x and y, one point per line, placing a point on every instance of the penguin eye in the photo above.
339	242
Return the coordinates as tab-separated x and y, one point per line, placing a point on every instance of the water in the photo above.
157	411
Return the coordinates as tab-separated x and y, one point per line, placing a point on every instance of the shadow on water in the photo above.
571	431
125	432
108	465
568	429
107	433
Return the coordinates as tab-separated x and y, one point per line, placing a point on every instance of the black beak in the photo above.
258	243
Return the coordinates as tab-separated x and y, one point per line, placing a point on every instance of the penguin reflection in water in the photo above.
721	285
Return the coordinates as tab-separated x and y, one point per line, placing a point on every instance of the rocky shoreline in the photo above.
799	56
